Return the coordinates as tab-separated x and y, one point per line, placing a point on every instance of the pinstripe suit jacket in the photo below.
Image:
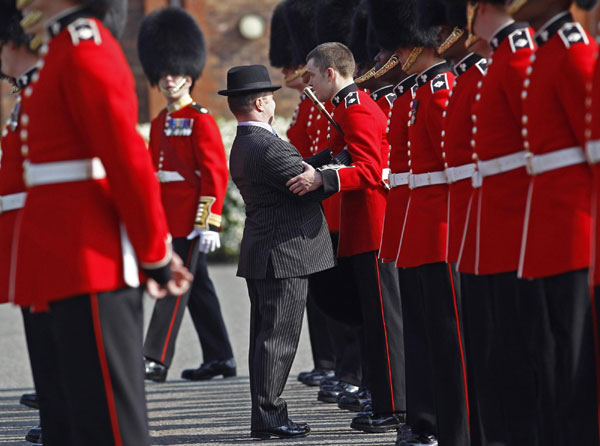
289	229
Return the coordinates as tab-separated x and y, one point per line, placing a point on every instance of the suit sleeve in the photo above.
362	137
280	163
99	93
212	163
576	72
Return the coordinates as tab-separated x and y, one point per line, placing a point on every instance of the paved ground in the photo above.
181	413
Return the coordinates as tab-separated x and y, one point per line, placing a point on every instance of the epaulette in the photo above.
572	33
482	66
198	107
84	29
440	82
520	39
352	99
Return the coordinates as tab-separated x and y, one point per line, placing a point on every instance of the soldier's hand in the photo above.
181	279
306	182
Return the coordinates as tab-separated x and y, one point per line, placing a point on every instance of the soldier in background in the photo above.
189	158
554	253
301	135
93	190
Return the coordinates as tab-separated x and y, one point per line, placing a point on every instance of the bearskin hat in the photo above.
397	26
586	4
280	49
361	37
171	42
334	20
10	17
301	23
442	12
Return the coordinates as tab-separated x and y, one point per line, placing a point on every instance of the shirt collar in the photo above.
381	92
551	27
405	85
182	102
264	125
466	63
339	97
431	72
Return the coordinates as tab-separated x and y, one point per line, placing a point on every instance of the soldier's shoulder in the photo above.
521	39
572	33
85	31
200	109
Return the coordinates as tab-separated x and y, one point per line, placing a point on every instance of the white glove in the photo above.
209	241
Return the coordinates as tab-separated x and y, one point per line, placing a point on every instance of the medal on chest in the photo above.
178	126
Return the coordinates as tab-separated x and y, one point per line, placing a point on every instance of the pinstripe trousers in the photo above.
277	308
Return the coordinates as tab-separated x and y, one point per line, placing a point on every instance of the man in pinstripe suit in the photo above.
285	240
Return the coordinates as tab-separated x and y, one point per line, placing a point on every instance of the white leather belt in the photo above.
56	172
426	179
463	172
499	165
169	176
12	202
557	159
398	179
592	151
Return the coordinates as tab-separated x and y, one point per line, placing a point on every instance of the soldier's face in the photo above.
174	87
320	80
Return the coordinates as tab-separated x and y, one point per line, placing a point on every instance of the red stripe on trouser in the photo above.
387	346
110	397
170	331
460	346
596	349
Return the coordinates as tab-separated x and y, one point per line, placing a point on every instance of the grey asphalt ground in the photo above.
214	412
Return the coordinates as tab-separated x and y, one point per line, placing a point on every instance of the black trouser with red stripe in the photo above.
376	284
98	341
499	364
44	368
435	370
168	312
320	335
560	323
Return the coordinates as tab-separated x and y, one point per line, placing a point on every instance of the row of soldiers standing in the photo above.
478	323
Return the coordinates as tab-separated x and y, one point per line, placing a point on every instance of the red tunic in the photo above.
384	97
593	134
11	182
203	152
556	236
397	197
457	146
363	196
84	106
495	222
423	239
298	131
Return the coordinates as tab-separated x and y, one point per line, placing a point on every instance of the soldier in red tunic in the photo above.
554	252
488	259
331	67
189	158
92	208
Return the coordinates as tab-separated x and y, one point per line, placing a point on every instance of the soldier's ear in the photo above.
330	74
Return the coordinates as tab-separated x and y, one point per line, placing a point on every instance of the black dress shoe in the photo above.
316	377
418	440
289	430
30	400
329	394
155	371
34	435
377	423
211	369
353	401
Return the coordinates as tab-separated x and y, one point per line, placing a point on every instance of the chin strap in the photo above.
299	72
366	76
412	58
392	62
456	34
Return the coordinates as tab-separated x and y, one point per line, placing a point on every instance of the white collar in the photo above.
264	125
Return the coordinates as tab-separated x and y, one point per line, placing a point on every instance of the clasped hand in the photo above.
308	181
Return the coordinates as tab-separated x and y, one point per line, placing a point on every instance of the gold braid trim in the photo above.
365	77
392	62
412	58
472	7
204	218
295	75
456	34
31	19
515	6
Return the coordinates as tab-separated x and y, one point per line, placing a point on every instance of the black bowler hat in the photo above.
248	79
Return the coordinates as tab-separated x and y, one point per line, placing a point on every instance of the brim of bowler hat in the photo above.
250	89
